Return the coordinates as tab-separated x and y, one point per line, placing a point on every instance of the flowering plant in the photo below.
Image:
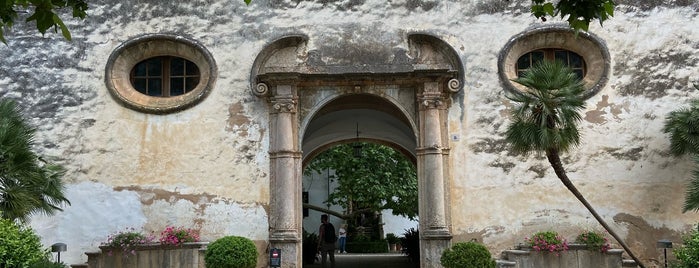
126	241
177	235
548	241
593	240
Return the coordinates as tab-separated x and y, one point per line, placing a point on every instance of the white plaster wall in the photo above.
217	178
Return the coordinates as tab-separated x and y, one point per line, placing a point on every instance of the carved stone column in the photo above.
285	217
435	235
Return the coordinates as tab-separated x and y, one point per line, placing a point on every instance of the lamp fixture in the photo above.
357	145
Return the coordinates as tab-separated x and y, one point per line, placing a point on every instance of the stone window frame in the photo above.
593	50
128	54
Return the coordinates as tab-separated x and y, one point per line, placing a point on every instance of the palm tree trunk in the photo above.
555	160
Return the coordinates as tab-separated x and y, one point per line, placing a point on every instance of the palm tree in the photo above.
683	127
28	185
545	119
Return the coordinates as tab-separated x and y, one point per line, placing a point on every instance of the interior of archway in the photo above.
350	119
358	117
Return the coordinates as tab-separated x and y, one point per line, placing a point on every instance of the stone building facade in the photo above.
279	81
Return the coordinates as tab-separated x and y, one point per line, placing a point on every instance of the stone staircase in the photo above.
577	256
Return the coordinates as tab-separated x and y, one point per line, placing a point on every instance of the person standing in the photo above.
326	241
342	234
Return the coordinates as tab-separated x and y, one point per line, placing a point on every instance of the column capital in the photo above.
283	97
433	97
283	104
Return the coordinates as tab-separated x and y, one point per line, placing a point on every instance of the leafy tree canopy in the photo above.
578	13
381	178
43	12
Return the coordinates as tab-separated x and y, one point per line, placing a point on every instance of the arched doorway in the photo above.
350	145
307	88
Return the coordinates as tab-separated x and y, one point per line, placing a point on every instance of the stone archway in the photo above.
418	76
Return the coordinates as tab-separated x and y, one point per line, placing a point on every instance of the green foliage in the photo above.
548	241
578	13
28	185
688	254
19	246
381	178
467	255
683	127
379	246
231	252
411	244
546	115
46	263
126	241
43	14
392	238
594	241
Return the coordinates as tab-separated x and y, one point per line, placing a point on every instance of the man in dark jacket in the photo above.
326	240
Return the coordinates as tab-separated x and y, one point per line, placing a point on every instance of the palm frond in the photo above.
691	200
27	184
547	113
683	127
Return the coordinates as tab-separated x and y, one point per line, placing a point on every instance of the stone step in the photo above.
628	263
505	264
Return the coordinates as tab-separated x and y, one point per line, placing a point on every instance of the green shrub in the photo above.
467	255
46	263
231	252
688	254
367	247
19	246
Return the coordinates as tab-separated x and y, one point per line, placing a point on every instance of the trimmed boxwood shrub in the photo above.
231	252
467	255
19	246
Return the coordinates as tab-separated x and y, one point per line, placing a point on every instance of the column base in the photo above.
290	251
432	244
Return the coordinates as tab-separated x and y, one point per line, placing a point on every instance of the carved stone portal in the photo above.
310	90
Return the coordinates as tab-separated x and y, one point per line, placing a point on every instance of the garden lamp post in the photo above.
59	247
664	244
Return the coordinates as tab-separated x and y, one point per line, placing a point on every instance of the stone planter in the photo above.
577	256
188	255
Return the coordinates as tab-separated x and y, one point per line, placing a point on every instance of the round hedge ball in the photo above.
231	252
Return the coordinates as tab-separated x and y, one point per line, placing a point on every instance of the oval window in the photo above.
160	73
571	59
583	52
165	76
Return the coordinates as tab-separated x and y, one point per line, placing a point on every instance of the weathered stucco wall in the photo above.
207	167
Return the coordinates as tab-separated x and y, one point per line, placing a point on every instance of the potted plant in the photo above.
548	241
176	236
593	241
125	242
393	241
